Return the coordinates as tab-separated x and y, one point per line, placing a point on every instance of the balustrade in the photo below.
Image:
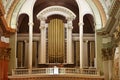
49	71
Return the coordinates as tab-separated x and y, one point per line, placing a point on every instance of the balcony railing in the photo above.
52	71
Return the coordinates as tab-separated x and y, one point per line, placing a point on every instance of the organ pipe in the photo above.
56	43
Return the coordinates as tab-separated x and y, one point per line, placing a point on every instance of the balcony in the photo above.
56	73
52	71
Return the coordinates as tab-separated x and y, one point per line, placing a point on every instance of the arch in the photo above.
88	20
53	10
14	16
22	26
93	10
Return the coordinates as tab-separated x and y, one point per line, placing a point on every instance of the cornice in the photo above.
109	25
113	20
114	7
68	14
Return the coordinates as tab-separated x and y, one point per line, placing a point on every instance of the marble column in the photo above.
81	43
110	65
30	43
42	54
69	41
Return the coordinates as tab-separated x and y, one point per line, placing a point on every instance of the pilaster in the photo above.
42	55
69	41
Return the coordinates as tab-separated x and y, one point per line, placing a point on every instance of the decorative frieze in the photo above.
57	10
107	53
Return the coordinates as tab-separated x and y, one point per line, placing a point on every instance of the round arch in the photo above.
53	10
93	10
89	26
23	20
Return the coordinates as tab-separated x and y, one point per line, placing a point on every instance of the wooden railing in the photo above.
49	71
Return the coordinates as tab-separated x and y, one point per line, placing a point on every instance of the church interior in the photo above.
59	39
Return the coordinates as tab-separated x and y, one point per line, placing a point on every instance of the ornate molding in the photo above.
114	7
11	9
6	31
102	11
112	22
107	53
56	10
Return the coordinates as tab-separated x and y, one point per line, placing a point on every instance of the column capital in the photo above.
69	24
107	53
80	23
42	27
70	27
42	18
30	23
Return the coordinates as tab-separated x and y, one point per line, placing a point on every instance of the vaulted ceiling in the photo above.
70	4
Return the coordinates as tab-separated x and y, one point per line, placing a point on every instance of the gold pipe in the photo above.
56	42
56	39
53	54
48	41
61	40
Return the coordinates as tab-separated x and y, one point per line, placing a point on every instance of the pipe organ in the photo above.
56	41
60	46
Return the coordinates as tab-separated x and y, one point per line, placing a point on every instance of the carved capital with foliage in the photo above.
107	53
